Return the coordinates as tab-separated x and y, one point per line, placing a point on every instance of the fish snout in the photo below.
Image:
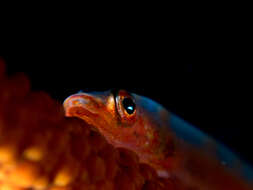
80	101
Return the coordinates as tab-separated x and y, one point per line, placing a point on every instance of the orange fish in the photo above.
161	139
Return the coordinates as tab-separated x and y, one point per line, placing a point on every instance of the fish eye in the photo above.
128	105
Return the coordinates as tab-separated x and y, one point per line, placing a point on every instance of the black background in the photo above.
196	69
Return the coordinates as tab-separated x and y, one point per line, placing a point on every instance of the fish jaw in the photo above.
90	109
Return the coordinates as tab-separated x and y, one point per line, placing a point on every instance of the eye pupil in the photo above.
129	105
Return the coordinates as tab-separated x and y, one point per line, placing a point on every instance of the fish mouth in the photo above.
83	106
92	110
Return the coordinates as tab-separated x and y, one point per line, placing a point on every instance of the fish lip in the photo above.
74	100
80	100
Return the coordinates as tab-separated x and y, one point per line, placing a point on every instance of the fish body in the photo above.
161	139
